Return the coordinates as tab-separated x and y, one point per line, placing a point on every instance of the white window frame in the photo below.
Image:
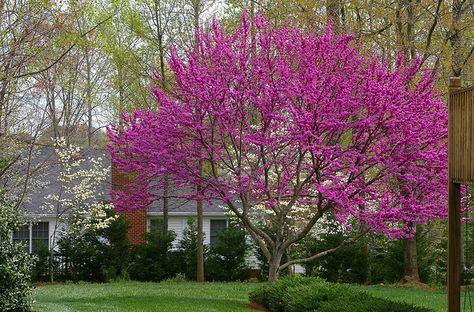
30	237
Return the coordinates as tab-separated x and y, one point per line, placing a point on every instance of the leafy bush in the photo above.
386	256
226	258
271	296
85	257
311	297
41	267
347	265
153	261
299	294
118	250
15	263
96	255
361	302
15	267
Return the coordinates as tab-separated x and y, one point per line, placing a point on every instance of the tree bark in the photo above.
406	44
274	267
455	38
51	265
199	207
89	97
200	243
161	55
333	9
165	204
410	263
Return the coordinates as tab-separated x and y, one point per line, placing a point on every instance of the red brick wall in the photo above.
137	217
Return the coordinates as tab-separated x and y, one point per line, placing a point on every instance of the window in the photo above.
156	225
39	236
22	235
35	236
216	227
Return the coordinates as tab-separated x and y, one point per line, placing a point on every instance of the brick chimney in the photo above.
137	217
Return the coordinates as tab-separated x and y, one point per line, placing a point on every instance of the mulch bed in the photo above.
47	283
256	306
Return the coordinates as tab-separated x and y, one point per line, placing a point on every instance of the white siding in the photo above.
52	224
178	225
206	228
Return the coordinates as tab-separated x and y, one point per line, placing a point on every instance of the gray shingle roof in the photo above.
48	171
179	206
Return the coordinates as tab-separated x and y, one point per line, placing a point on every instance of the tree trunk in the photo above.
410	263
406	43
161	50
200	243
165	205
89	98
455	38
274	267
363	227
291	268
196	4
410	30
333	9
51	265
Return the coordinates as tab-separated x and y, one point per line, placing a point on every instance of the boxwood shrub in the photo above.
272	296
300	294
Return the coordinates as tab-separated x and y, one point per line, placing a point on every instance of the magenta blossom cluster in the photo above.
291	119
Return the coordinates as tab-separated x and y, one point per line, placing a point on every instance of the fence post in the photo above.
454	219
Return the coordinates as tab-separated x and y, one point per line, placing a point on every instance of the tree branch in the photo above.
66	52
324	253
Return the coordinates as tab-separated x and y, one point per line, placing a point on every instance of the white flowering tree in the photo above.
79	204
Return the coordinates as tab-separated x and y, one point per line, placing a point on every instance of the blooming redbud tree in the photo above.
287	128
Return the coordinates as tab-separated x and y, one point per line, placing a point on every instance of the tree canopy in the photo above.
288	125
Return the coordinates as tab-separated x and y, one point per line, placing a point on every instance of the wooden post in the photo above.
454	222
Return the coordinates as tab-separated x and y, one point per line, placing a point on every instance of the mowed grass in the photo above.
136	296
187	296
430	298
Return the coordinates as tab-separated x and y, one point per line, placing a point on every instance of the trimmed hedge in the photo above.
300	294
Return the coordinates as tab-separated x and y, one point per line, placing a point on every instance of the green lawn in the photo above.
434	299
182	297
135	296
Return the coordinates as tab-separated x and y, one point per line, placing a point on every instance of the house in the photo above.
179	211
42	228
